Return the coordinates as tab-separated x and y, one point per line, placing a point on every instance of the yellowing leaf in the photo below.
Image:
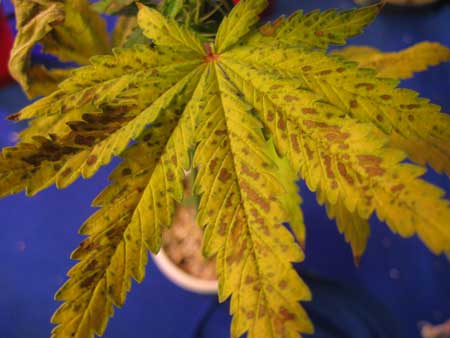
240	21
82	34
134	209
320	29
355	228
240	206
255	112
165	32
345	159
30	31
358	93
93	117
399	65
111	6
70	30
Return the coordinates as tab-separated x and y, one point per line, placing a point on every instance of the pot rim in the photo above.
183	279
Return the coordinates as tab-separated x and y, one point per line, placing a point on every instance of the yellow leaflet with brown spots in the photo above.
70	30
317	29
345	159
398	65
165	32
238	23
241	105
82	137
412	123
242	208
134	209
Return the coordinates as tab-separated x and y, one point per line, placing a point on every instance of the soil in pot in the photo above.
182	244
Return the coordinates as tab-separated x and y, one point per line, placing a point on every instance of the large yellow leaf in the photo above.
243	212
70	30
134	209
256	112
345	159
92	117
399	65
412	123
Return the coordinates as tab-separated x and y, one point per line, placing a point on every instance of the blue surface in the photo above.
408	282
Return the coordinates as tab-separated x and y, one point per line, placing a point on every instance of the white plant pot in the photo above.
183	279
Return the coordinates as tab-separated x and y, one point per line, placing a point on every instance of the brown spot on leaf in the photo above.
309	111
222	228
412	106
374	171
282	123
325	72
286	315
294	142
343	171
340	70
290	98
220	132
170	175
283	284
212	165
246	170
315	124
255	197
88	281
224	175
262	310
353	104
92	265
369	160
368	86
14	117
270	116
319	33
66	172
306	68
126	171
337	136
91	160
249	280
410	117
329	170
386	97
398	187
380	118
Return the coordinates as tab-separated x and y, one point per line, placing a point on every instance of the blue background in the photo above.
399	282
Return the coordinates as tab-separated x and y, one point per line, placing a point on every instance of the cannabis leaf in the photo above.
400	64
71	30
320	29
257	109
111	6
